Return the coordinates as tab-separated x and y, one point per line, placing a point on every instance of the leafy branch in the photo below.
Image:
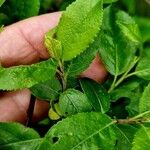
139	119
124	76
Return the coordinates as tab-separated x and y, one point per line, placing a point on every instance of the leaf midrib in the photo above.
123	134
19	142
139	71
146	132
96	132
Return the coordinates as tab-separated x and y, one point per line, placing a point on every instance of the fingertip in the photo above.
34	29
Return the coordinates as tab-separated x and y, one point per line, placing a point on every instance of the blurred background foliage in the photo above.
14	10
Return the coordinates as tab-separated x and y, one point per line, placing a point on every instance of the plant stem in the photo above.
30	110
131	74
124	76
130	121
135	120
63	75
141	115
113	84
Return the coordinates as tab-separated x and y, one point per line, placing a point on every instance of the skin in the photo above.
22	43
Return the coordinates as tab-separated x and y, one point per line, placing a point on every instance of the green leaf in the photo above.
48	90
77	28
142	139
83	131
82	62
143	67
109	1
130	6
20	77
133	106
116	54
144	104
128	27
44	145
126	89
96	94
54	46
1	2
125	134
15	136
20	9
117	48
144	25
131	90
73	101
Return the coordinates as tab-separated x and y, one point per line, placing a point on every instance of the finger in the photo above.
23	42
14	105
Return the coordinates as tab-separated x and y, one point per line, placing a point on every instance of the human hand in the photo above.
22	43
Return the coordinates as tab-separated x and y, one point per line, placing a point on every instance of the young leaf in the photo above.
54	46
48	90
77	28
73	101
53	115
116	49
142	139
125	134
81	62
15	136
20	77
96	95
143	67
144	104
83	131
